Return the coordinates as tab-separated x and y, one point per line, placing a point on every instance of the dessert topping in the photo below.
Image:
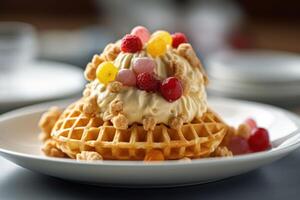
156	47
111	51
115	86
163	35
143	64
252	123
90	106
126	77
106	72
48	121
176	123
149	123
178	38
222	151
50	149
171	89
238	145
120	122
244	130
116	107
259	140
142	32
89	155
131	44
186	50
148	82
90	72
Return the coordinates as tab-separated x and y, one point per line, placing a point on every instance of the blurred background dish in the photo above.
39	81
17	44
269	76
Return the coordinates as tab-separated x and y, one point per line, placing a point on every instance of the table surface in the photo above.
278	180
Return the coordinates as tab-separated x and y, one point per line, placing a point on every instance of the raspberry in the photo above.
131	44
178	38
171	89
259	140
148	82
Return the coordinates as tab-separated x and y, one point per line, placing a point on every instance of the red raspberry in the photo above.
171	89
147	81
259	140
131	44
178	38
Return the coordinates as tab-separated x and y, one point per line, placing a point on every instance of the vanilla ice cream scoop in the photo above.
138	104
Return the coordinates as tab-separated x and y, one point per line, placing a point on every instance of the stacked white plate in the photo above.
39	81
267	76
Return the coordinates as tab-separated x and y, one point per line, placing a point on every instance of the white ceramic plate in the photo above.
39	81
19	144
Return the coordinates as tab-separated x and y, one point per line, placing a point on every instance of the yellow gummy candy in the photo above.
156	47
106	72
163	35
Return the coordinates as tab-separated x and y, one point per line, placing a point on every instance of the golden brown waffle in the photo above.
74	133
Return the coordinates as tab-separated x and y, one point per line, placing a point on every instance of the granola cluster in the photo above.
115	87
88	156
50	149
149	123
120	122
48	121
90	106
186	50
222	151
177	122
110	52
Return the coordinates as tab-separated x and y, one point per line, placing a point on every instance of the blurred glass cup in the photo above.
17	45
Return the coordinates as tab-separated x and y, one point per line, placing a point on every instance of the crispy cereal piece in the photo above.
98	59
116	107
186	50
50	149
89	156
186	85
111	51
90	106
90	72
47	122
115	86
91	68
185	159
149	123
244	130
154	155
120	122
176	123
222	151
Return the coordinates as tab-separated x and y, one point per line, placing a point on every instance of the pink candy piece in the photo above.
251	122
127	77
238	145
142	32
144	64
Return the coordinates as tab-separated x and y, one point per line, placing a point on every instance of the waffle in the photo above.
75	133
